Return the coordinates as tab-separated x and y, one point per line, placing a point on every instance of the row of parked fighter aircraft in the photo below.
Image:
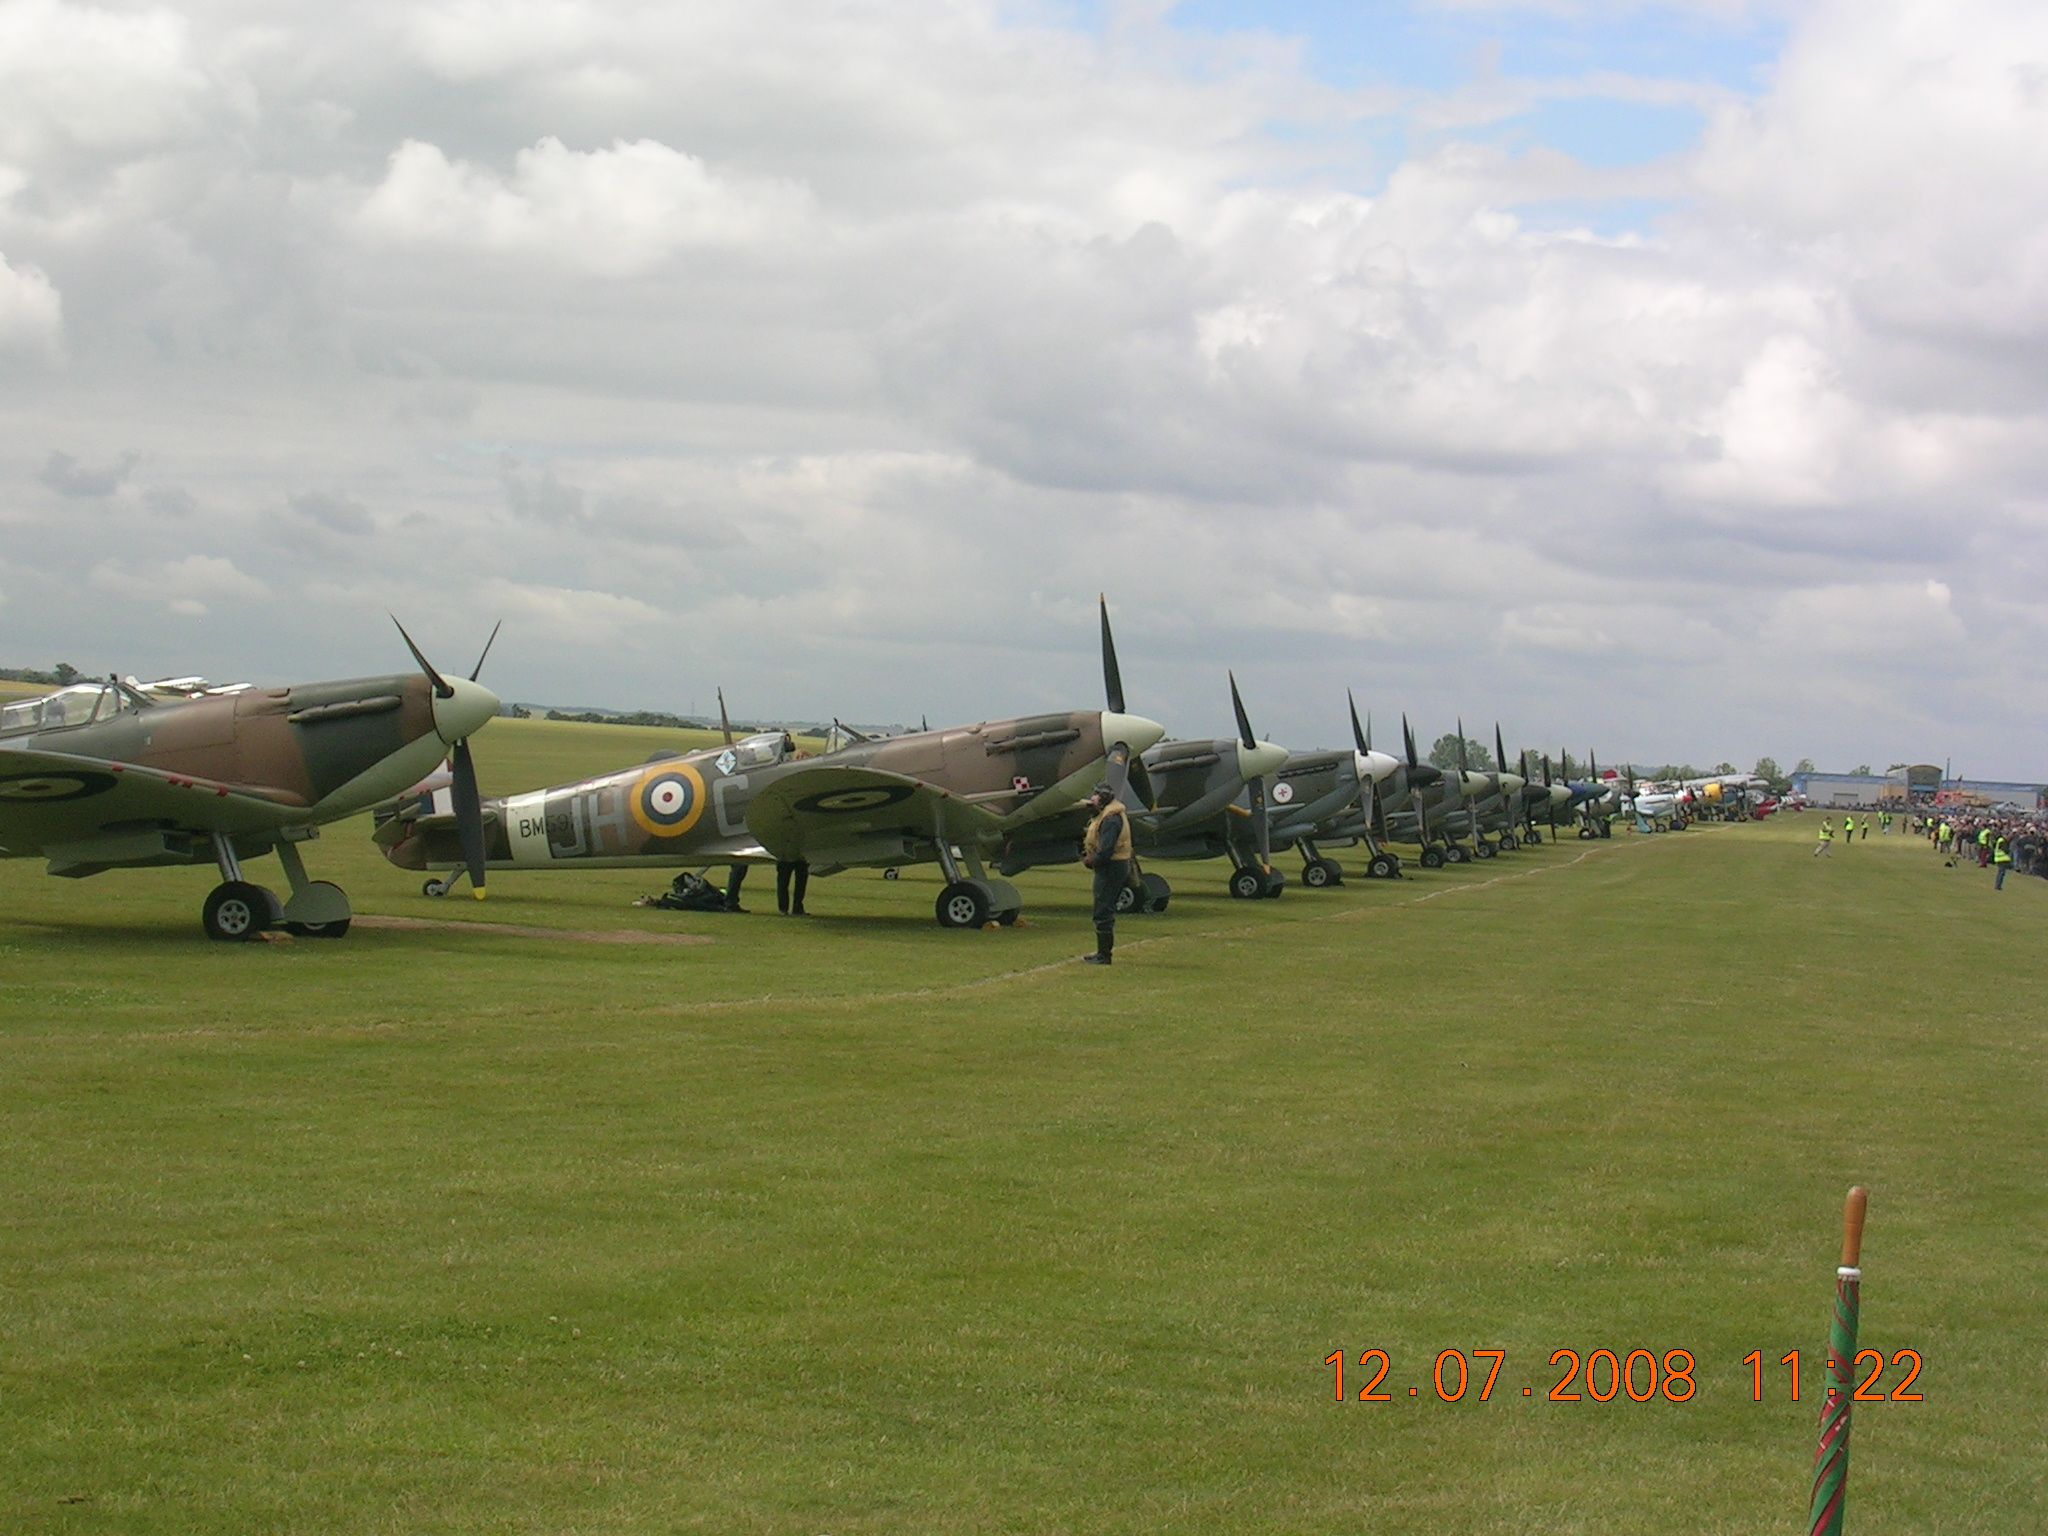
120	775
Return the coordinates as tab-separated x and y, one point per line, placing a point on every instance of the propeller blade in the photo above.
924	724
1362	737
1408	738
477	670
1500	751
1112	678
442	690
1463	766
1117	769
725	720
469	816
1244	724
1262	822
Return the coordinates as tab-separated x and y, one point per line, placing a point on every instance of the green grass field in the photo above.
855	1225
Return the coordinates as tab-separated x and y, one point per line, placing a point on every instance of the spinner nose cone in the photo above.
467	711
1425	773
1261	760
1512	783
1134	731
1474	783
1376	766
1560	795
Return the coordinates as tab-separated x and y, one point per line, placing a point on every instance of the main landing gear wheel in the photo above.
1128	900
1318	873
1510	843
1275	884
963	904
1432	858
1484	850
1248	884
1384	866
237	910
1534	839
890	873
1456	855
433	887
1157	893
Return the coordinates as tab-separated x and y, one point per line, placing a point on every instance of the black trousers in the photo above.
1111	876
792	878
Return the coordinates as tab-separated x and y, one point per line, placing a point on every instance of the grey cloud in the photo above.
334	512
68	477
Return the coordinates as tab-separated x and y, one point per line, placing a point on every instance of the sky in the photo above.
1664	377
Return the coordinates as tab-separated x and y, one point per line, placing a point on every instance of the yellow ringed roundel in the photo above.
667	799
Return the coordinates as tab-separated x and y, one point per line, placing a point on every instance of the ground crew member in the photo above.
1827	838
1983	846
790	873
1848	827
1106	849
1866	828
2001	860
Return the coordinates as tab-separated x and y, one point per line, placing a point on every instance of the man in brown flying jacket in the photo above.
1106	849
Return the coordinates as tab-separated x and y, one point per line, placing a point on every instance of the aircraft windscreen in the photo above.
763	751
77	705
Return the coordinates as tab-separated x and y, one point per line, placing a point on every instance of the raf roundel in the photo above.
667	801
54	786
1283	793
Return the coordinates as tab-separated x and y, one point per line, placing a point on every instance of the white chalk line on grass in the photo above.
1067	962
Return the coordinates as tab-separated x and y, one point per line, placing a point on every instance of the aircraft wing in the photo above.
56	798
848	815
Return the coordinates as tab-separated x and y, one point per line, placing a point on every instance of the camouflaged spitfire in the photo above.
952	796
103	776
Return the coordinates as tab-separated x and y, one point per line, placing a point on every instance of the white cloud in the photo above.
31	312
864	342
617	212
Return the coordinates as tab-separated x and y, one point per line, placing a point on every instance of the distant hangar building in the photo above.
1919	784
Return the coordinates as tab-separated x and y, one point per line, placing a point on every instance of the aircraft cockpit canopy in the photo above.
80	704
765	750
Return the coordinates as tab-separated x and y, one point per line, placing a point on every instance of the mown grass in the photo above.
856	1225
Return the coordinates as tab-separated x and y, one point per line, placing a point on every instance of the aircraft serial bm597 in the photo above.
950	796
104	776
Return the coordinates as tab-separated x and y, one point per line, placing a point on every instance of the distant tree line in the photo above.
63	675
638	717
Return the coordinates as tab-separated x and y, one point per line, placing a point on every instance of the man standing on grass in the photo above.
1106	849
1827	838
2001	860
1848	827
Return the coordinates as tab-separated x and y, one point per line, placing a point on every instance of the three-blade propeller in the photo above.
469	806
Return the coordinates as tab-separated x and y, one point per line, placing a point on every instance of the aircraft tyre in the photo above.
1128	900
317	911
1587	834
1248	884
1510	843
1432	858
1275	884
1318	873
889	873
963	904
1484	849
1157	893
1535	838
1456	855
237	910
433	887
1384	866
